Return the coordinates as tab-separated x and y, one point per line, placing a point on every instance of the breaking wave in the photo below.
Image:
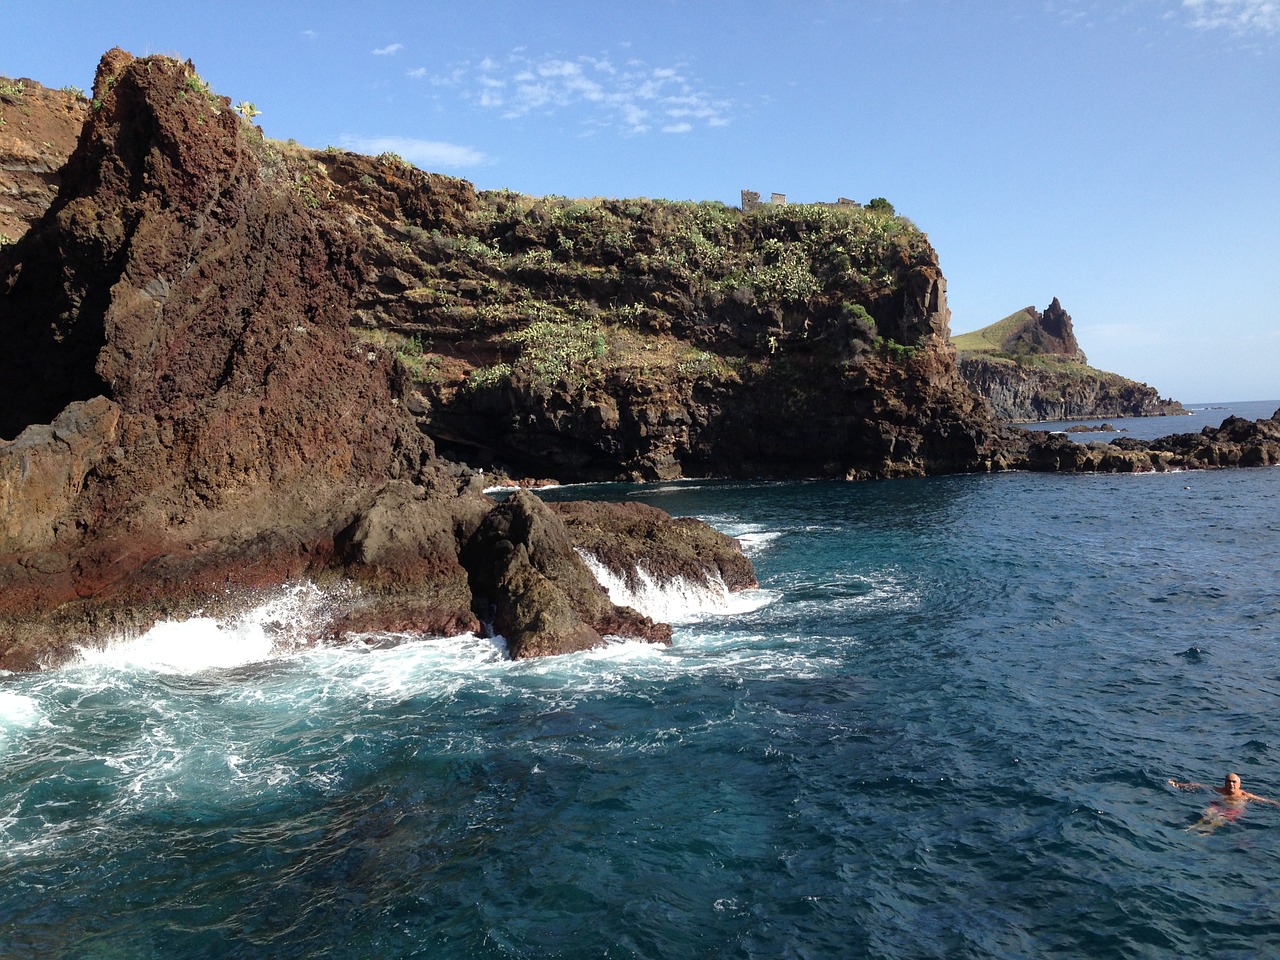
678	600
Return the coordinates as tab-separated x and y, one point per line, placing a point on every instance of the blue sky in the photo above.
1122	156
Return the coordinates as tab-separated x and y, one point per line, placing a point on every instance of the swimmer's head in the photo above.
1232	783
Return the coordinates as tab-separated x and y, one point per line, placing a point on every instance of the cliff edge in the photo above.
192	420
233	364
1030	367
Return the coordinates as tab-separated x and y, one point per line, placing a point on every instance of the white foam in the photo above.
184	647
202	643
754	543
18	712
677	600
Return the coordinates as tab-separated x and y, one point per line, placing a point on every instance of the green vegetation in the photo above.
416	355
247	110
12	88
990	339
892	350
576	291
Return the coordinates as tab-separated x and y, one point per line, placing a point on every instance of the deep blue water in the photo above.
1198	416
944	731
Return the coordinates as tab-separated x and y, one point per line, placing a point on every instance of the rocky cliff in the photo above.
1029	367
192	417
233	364
38	129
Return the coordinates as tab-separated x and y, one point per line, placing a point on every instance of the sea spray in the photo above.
677	600
276	625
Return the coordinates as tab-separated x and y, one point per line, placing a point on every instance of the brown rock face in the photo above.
193	419
536	591
38	131
1049	332
179	319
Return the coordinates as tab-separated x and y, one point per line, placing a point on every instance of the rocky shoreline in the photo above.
1030	368
235	365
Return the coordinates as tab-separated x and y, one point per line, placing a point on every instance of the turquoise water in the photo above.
941	729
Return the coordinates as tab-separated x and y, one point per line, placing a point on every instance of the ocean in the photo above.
942	727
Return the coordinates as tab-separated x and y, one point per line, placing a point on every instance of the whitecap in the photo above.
18	712
755	543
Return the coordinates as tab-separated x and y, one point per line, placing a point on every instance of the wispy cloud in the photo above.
633	96
310	35
390	50
1242	15
427	154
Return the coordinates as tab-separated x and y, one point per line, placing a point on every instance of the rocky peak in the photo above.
1049	332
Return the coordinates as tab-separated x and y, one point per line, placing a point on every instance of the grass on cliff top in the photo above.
990	338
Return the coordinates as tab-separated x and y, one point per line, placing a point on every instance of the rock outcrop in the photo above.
1236	443
533	588
1030	367
232	364
38	130
634	539
192	419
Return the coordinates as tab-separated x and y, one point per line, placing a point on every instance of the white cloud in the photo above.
427	154
418	73
390	50
629	98
1241	15
310	35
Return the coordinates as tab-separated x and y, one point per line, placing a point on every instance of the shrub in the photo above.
488	376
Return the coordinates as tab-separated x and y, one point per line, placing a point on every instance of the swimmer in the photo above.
1217	813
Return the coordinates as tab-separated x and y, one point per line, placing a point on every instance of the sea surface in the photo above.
943	727
1197	417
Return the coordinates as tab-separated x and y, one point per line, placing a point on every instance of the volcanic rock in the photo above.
1029	367
535	590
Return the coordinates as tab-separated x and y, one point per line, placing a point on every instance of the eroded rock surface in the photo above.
192	421
531	585
233	364
1030	367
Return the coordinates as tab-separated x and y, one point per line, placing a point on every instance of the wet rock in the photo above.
536	591
628	538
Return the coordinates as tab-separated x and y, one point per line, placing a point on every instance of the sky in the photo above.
1122	156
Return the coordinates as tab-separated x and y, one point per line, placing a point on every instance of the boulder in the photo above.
531	585
627	538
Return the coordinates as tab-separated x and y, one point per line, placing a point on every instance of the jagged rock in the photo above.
1029	367
193	421
219	377
629	537
536	591
1050	332
1236	443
